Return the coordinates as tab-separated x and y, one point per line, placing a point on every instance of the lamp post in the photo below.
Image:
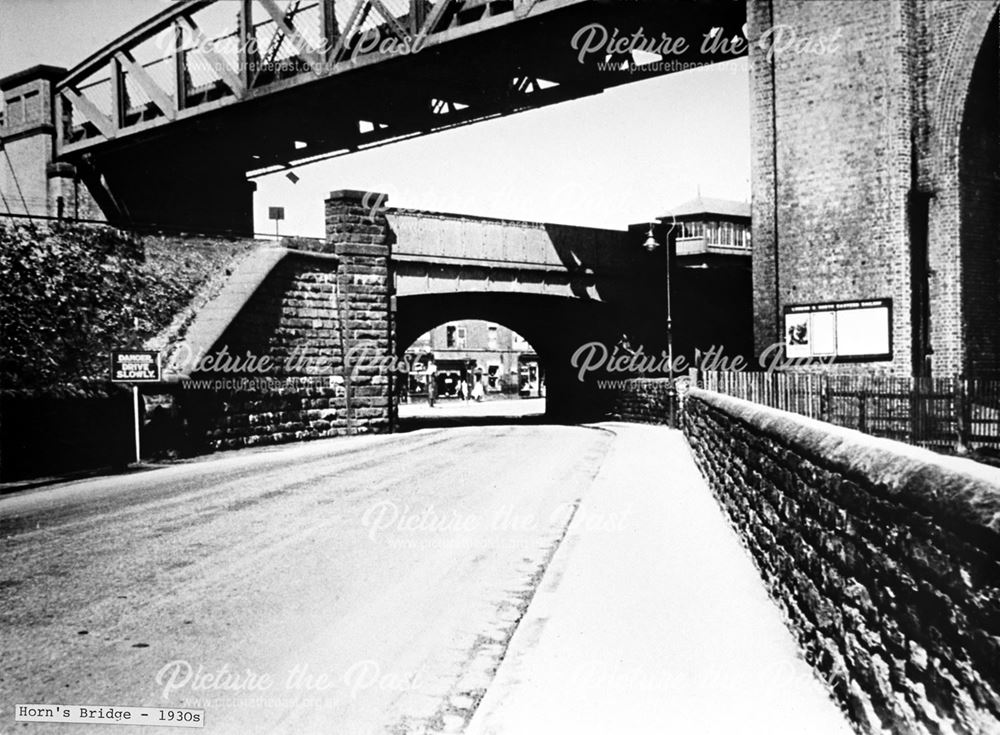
651	245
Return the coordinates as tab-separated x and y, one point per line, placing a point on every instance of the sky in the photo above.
622	157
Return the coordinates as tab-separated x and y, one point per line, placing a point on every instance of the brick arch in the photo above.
961	32
979	219
948	97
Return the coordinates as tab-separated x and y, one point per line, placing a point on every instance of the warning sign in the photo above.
135	366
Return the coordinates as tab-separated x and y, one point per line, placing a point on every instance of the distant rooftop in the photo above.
708	205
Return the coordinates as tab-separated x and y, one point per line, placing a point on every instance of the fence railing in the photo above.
944	414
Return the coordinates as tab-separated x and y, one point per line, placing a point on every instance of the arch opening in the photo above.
554	326
469	370
979	224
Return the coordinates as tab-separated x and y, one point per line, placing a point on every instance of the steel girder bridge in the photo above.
166	123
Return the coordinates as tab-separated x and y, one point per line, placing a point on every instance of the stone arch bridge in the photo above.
560	287
331	315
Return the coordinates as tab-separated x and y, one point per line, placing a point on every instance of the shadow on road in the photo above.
413	423
451	413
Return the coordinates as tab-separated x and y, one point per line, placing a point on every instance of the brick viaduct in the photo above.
876	172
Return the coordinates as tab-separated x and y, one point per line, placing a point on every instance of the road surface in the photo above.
363	585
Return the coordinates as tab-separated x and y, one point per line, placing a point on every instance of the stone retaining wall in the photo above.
641	400
884	558
323	317
294	319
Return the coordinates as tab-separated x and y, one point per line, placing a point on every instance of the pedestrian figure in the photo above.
431	382
463	389
477	390
624	345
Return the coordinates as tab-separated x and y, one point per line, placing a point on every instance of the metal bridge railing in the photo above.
949	414
200	62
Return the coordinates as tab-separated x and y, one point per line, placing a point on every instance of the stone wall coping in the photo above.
357	195
348	249
954	487
311	254
214	318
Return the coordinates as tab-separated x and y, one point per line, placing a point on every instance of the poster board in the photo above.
847	331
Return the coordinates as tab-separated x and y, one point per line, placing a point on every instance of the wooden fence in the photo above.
944	414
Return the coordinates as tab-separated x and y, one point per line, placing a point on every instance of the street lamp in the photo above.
651	245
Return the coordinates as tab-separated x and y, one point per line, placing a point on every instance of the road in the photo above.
362	585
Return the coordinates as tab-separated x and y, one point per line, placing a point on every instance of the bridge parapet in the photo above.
443	252
487	240
883	557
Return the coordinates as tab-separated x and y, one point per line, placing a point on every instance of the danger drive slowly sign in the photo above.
135	366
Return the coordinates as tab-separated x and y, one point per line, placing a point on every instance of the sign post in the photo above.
135	422
277	214
135	366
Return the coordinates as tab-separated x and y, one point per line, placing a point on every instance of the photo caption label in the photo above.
84	714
